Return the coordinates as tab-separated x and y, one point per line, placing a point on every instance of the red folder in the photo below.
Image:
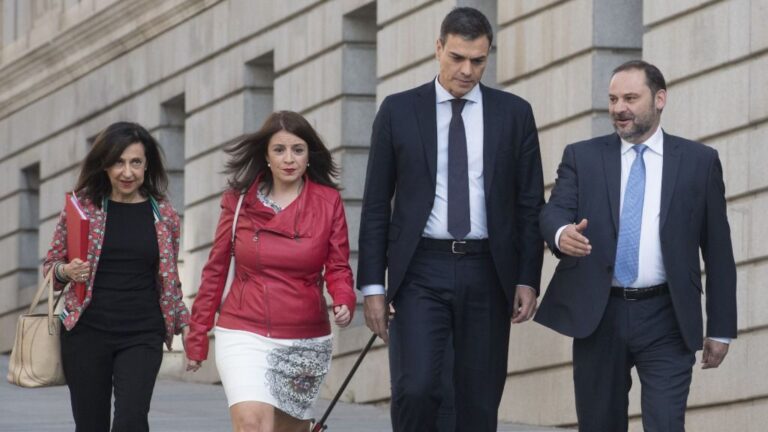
77	237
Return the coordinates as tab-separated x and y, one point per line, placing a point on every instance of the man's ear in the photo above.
660	100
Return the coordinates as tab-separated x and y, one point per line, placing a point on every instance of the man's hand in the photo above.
375	309
525	304
714	353
573	242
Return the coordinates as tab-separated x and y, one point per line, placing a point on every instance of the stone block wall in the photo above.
715	57
201	73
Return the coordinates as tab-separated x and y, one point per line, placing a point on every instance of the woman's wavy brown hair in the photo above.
248	157
107	148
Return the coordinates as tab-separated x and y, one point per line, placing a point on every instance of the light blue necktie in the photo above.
628	248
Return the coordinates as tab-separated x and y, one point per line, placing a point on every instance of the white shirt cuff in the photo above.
527	286
557	236
374	289
726	341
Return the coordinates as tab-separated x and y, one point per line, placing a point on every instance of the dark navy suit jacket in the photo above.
692	218
402	164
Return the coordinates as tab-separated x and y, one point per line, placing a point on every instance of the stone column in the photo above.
345	123
170	135
558	55
19	241
714	56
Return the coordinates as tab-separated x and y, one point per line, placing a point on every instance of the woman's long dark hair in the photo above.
107	148
248	157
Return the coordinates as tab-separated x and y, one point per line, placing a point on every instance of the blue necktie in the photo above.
628	248
459	224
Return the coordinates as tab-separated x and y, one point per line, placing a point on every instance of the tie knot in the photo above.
457	105
639	148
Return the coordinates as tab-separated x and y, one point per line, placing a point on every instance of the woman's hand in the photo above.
77	270
341	315
184	336
192	365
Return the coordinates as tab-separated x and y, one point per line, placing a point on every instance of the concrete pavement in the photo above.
176	407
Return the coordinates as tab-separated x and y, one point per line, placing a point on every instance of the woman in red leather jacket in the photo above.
273	335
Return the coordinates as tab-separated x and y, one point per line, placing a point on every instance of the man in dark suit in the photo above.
627	217
460	241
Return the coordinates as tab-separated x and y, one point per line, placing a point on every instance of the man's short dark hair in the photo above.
653	77
467	22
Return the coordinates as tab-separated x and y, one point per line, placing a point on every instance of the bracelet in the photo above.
59	273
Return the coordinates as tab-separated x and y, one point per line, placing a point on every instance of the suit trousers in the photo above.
642	334
448	296
95	361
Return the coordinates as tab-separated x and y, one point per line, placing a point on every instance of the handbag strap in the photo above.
234	222
47	283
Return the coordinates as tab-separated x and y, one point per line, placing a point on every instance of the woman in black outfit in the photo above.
133	300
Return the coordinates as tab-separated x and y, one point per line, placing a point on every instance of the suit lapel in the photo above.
668	176
491	136
426	114
612	167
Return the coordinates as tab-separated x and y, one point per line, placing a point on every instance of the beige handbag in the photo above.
36	356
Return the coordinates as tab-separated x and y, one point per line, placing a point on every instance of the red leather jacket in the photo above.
281	261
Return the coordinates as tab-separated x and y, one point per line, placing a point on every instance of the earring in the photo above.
269	165
307	163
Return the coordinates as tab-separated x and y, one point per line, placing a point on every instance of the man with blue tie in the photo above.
460	241
627	217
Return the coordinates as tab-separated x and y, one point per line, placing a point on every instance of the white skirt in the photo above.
285	373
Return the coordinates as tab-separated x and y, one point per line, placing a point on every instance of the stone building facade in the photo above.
200	73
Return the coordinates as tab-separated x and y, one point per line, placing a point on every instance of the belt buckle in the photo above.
453	247
628	290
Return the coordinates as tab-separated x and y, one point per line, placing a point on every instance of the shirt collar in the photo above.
655	143
442	95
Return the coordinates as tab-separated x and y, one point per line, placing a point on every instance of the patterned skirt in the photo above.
285	373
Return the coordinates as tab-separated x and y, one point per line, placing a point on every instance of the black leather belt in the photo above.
632	294
458	247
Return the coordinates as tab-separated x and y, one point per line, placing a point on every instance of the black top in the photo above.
125	296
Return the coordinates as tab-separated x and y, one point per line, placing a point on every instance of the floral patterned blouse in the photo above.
175	313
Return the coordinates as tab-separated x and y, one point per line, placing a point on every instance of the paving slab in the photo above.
176	407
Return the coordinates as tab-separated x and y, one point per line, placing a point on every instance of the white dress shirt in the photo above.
472	114
437	223
650	269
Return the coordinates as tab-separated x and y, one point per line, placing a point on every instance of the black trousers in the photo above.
642	334
448	296
96	362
